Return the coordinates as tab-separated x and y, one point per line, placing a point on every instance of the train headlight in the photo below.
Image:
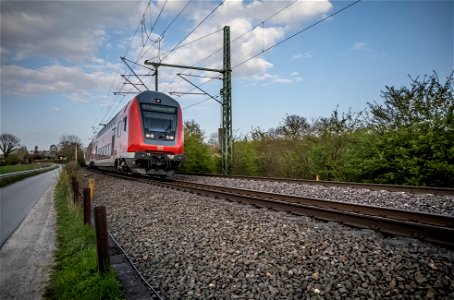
148	135
170	137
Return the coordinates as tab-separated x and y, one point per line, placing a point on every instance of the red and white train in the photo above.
146	137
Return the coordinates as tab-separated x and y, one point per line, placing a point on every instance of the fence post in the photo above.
86	206
75	190
91	186
102	244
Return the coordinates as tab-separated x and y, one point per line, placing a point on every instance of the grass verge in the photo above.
9	180
75	275
19	167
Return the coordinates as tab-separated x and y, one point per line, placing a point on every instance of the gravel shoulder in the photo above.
188	247
27	257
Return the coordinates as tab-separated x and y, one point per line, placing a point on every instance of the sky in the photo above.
61	67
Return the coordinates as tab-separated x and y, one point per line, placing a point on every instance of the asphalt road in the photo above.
17	199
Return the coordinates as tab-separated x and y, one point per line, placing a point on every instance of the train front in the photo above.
158	137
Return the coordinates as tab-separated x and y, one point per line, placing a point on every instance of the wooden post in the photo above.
91	186
86	206
75	190
102	243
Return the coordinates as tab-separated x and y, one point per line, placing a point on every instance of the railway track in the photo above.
430	227
370	186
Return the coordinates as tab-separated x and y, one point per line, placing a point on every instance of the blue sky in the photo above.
60	60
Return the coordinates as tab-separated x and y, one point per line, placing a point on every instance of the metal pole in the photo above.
156	78
227	106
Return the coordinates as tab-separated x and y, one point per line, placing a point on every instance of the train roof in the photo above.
152	96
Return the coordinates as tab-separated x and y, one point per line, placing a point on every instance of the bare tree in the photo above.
68	145
294	127
8	143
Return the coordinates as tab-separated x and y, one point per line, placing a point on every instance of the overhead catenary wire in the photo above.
286	39
98	119
178	45
161	36
250	30
195	28
238	38
297	33
181	43
159	15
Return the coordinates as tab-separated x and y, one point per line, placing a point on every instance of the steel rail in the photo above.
425	226
391	213
370	186
133	265
430	227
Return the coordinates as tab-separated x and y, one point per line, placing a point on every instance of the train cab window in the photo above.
159	122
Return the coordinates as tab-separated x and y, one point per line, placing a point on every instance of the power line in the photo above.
195	28
159	15
174	19
165	31
250	30
239	37
281	42
119	68
188	43
178	45
297	33
181	45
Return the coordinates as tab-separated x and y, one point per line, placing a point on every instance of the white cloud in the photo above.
359	46
242	17
295	14
267	78
304	55
69	30
72	35
71	82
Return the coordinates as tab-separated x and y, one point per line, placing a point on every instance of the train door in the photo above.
112	145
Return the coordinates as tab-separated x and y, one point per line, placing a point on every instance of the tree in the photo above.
294	127
19	155
198	156
416	129
8	144
337	124
68	145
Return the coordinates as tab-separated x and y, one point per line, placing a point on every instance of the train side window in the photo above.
119	129
124	123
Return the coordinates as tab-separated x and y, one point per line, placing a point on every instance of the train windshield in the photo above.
159	122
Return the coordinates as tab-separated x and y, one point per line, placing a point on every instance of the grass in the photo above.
17	168
75	275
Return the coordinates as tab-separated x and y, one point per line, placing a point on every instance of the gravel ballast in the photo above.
193	247
439	204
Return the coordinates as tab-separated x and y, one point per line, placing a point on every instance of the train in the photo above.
145	137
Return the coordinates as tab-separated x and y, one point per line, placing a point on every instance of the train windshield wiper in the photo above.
170	126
